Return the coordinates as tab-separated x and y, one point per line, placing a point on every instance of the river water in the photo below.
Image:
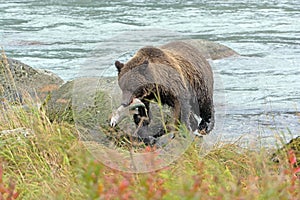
257	95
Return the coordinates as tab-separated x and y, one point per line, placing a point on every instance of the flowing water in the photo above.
257	94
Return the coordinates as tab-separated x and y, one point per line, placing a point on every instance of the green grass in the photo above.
51	163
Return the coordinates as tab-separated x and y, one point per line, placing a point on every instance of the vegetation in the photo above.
40	159
50	162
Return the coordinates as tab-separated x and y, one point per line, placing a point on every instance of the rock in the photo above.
59	104
212	50
18	80
82	96
88	103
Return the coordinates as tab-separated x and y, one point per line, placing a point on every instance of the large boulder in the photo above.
82	95
88	103
18	80
212	50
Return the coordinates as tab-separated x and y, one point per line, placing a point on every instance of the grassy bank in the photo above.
40	159
43	160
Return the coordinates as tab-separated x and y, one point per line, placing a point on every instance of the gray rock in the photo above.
212	50
82	95
18	80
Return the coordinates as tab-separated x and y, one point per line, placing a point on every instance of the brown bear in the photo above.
178	76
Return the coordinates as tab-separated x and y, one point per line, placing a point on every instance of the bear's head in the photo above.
145	74
133	82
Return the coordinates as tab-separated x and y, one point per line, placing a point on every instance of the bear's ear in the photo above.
119	66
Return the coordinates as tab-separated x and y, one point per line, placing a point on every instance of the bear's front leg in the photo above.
207	123
182	111
185	114
211	122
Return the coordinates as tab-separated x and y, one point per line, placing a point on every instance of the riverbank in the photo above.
45	158
51	162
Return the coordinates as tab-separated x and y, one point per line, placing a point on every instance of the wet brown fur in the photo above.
190	71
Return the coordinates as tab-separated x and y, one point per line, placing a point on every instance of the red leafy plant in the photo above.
7	192
293	171
115	187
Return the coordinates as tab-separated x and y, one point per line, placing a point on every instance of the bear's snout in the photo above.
127	98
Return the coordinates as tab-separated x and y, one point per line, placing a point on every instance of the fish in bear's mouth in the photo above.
123	111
